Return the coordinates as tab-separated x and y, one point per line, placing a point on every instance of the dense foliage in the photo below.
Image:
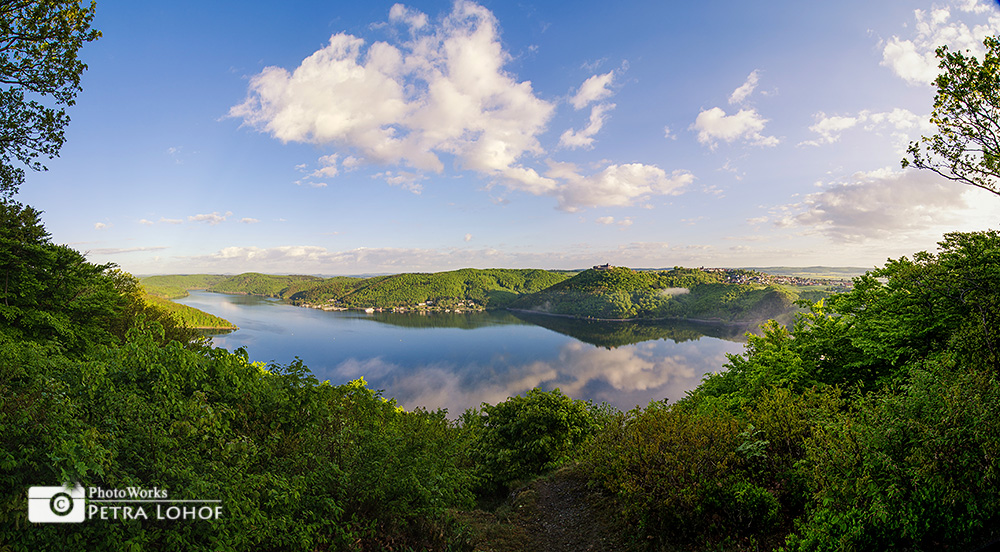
298	465
99	387
329	288
51	295
523	437
493	288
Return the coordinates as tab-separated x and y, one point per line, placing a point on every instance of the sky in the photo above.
371	137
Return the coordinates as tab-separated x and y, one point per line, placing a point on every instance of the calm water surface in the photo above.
460	361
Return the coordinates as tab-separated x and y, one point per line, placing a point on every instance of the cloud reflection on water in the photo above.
624	377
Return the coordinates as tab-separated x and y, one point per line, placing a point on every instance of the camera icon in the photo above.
56	505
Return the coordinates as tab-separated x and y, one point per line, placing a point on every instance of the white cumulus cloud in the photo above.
439	94
899	122
443	92
885	205
913	58
402	14
618	185
714	125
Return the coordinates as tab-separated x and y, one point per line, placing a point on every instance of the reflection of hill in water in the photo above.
464	321
616	334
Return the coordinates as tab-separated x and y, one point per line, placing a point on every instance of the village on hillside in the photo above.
744	276
747	277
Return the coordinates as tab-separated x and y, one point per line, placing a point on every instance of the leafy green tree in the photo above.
50	294
770	360
966	111
39	43
950	300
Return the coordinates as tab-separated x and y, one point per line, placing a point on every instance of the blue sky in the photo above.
368	137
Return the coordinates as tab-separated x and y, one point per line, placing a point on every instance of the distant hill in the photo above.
468	287
621	293
173	286
266	285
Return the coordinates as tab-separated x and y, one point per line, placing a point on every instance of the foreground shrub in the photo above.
917	469
696	472
671	468
524	436
297	464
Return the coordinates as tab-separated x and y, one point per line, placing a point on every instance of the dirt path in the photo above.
554	514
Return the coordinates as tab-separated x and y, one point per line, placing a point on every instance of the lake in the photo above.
458	361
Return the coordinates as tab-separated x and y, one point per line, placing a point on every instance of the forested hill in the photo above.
267	285
622	293
469	288
158	290
173	286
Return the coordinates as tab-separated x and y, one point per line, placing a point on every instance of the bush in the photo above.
668	467
916	469
700	472
524	436
297	464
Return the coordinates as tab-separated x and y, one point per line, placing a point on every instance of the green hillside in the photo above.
158	290
490	288
330	288
267	285
468	288
622	293
190	316
173	286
